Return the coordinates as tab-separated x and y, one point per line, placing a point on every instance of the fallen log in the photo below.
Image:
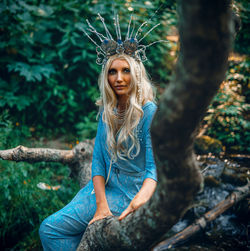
22	153
239	194
78	159
31	155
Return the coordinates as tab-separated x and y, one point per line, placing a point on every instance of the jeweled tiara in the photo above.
131	45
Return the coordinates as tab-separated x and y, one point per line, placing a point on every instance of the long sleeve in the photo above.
150	163
98	163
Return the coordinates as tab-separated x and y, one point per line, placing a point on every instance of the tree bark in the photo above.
206	32
79	158
22	153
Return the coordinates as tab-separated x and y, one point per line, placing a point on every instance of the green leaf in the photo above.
32	72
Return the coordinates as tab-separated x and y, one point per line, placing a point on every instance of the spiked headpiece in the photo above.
130	46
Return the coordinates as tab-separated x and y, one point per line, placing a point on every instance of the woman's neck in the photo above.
122	102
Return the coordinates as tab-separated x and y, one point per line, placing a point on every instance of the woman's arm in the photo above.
145	193
150	178
98	176
102	208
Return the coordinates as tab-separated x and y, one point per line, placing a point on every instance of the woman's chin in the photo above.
121	92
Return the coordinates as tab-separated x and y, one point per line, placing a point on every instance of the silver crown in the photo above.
131	45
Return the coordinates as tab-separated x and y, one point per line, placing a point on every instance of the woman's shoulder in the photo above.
149	106
149	109
99	116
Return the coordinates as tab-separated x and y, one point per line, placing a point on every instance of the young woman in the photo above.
123	168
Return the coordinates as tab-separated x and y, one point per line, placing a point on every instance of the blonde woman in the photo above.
123	167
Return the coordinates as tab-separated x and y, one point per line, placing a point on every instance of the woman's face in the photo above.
119	77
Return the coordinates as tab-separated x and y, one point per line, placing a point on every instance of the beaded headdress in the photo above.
130	46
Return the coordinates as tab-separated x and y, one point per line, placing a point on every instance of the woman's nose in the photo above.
119	77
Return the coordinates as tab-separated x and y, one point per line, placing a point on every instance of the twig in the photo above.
239	194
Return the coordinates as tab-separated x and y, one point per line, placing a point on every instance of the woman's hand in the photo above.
102	207
145	193
101	213
134	204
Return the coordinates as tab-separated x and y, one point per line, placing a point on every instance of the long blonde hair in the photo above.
119	147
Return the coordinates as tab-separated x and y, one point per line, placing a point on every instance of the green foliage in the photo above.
11	135
48	76
44	64
87	128
242	42
32	72
228	115
23	205
206	144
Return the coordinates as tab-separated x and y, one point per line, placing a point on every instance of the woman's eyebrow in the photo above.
123	68
111	69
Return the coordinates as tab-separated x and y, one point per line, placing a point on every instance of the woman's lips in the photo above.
120	87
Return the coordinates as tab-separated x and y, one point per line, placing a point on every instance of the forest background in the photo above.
48	89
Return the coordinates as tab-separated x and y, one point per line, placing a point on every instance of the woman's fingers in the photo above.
126	212
131	208
93	220
99	218
96	219
123	214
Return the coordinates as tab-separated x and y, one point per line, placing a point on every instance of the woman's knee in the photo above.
44	228
54	236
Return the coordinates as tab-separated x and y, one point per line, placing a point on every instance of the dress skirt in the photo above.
64	229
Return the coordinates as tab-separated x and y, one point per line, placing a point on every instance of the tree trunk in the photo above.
206	32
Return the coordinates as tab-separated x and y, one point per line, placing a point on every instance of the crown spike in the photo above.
148	32
127	36
118	27
136	34
116	31
133	28
129	46
93	30
93	41
158	41
99	35
109	36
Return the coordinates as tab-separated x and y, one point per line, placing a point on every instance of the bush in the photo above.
228	115
48	74
242	42
206	144
23	205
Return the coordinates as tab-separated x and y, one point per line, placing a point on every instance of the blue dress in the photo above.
64	229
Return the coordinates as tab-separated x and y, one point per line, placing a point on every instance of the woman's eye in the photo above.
127	70
112	71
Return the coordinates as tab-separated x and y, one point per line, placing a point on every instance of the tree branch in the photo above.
79	158
22	153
